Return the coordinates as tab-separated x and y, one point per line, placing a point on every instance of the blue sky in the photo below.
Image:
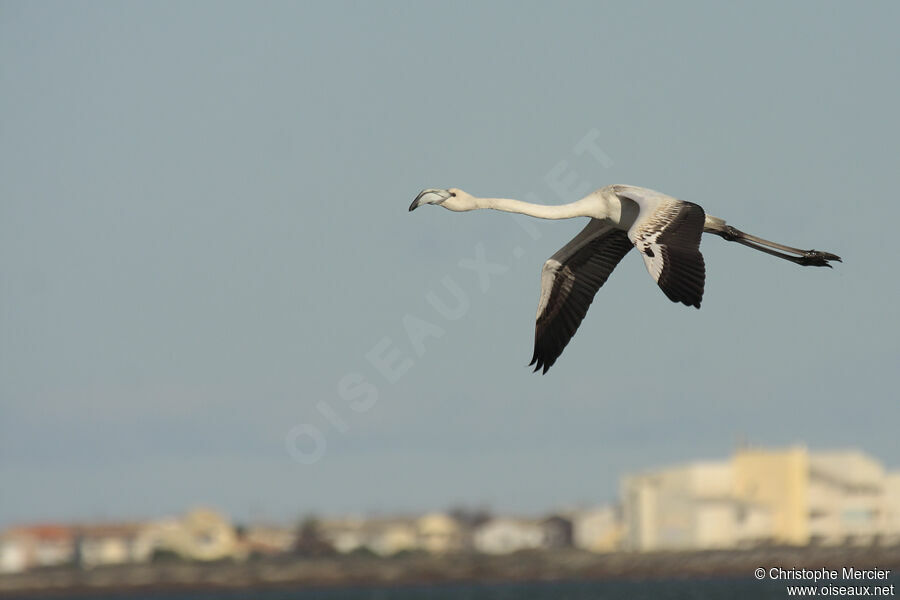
208	270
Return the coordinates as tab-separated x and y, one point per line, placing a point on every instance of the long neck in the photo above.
541	211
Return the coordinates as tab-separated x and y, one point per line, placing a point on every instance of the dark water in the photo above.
688	589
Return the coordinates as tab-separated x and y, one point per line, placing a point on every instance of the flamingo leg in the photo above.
807	258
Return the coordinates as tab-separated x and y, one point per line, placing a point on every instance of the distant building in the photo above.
345	535
112	544
43	545
850	499
387	537
777	481
435	533
13	554
557	532
690	507
384	536
891	535
505	535
783	496
268	540
201	534
439	533
87	546
827	498
597	529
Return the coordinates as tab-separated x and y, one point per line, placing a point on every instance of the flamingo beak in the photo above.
429	196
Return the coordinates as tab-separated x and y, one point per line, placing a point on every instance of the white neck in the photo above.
586	207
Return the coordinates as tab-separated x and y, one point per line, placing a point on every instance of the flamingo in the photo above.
666	231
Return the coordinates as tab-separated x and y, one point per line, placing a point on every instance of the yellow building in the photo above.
784	496
439	533
201	534
892	509
779	481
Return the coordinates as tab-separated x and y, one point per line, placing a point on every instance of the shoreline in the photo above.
412	570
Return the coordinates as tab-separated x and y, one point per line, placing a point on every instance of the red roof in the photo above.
44	531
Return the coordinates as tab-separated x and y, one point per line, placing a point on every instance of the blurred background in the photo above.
213	295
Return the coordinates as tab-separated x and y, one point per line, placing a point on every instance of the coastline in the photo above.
423	569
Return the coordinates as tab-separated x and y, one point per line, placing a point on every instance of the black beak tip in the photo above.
415	203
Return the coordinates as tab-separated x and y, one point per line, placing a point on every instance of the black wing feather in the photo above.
673	236
684	271
575	282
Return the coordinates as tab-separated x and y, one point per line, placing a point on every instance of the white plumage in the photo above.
665	230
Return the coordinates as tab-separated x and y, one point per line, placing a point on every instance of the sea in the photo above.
663	589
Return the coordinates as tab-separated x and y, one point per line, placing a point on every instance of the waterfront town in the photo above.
757	498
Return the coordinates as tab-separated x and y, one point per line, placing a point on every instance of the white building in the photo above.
13	554
503	536
345	535
787	496
597	529
268	539
44	545
689	507
850	499
387	536
112	544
